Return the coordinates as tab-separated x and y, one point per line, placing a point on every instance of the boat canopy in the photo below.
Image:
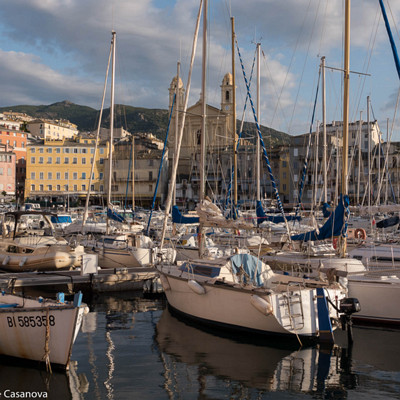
334	226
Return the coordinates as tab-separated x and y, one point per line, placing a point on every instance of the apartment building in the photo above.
58	171
53	130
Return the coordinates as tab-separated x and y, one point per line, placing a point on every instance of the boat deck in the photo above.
106	280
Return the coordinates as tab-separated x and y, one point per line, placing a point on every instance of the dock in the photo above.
105	280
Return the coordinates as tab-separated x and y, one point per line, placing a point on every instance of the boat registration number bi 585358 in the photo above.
32	321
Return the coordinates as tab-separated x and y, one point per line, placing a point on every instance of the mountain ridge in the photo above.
133	119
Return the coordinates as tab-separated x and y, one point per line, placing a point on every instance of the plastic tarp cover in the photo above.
252	266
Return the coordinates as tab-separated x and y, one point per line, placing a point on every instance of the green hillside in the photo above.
133	119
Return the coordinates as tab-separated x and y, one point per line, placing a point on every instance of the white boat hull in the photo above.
379	298
232	307
42	333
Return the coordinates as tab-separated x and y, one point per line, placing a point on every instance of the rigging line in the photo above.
265	155
301	183
304	66
291	61
367	63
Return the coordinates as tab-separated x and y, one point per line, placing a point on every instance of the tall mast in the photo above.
324	130
346	108
110	158
235	137
258	175
203	128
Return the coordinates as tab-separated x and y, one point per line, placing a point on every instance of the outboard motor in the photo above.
348	307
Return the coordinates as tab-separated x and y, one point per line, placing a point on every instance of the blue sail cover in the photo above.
388	222
178	218
334	226
113	215
326	210
276	219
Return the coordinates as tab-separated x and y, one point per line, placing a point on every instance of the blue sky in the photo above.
54	50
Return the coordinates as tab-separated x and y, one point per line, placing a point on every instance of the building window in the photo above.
41	188
101	150
49	187
150	175
150	188
32	188
75	188
101	188
1	170
101	160
83	160
66	150
58	175
41	150
40	160
49	175
75	176
33	150
74	160
76	151
83	187
227	95
66	188
101	175
33	175
58	188
92	188
49	160
41	175
83	175
66	176
58	160
66	160
49	150
58	150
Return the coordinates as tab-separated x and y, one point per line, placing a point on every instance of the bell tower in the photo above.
227	94
172	91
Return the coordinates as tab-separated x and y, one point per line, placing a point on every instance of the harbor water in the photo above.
131	347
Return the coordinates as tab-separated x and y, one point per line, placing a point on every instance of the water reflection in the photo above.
131	347
319	372
23	382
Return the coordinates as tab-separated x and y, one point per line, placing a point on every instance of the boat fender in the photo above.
196	287
23	261
335	242
164	282
261	305
360	234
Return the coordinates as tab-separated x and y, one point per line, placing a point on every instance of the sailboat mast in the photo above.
258	176
235	137
110	158
203	128
346	98
345	154
324	130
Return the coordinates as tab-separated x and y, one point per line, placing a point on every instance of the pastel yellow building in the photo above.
58	171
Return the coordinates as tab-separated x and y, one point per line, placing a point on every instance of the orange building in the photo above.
16	140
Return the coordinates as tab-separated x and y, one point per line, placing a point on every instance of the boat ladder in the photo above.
292	302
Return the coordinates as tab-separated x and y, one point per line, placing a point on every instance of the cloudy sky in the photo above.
54	50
